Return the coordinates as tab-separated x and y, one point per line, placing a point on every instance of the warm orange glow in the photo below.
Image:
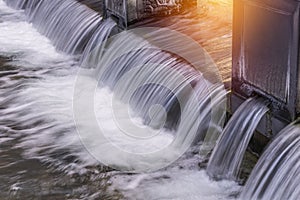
221	1
221	9
224	2
216	17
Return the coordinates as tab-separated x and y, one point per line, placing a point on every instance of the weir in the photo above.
265	46
265	52
265	69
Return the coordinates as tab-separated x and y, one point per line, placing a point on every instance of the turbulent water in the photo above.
42	155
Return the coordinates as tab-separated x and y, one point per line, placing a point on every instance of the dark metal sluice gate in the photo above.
266	59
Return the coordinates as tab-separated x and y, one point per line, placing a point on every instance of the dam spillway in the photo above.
37	114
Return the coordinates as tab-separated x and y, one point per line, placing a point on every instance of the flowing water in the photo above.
42	155
276	175
228	154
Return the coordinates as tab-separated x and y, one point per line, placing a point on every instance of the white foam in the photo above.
176	185
22	38
18	37
7	13
49	99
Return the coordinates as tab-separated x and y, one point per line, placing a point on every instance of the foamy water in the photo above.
176	185
37	115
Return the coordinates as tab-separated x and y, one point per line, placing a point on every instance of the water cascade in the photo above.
172	92
276	175
227	156
68	24
177	94
161	88
135	66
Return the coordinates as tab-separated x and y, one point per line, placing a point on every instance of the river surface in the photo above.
41	156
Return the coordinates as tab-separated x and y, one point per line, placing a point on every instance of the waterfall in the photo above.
97	42
161	88
155	77
230	149
68	24
168	80
37	114
277	173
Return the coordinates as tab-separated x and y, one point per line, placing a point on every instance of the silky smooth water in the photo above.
42	51
41	153
276	175
228	154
